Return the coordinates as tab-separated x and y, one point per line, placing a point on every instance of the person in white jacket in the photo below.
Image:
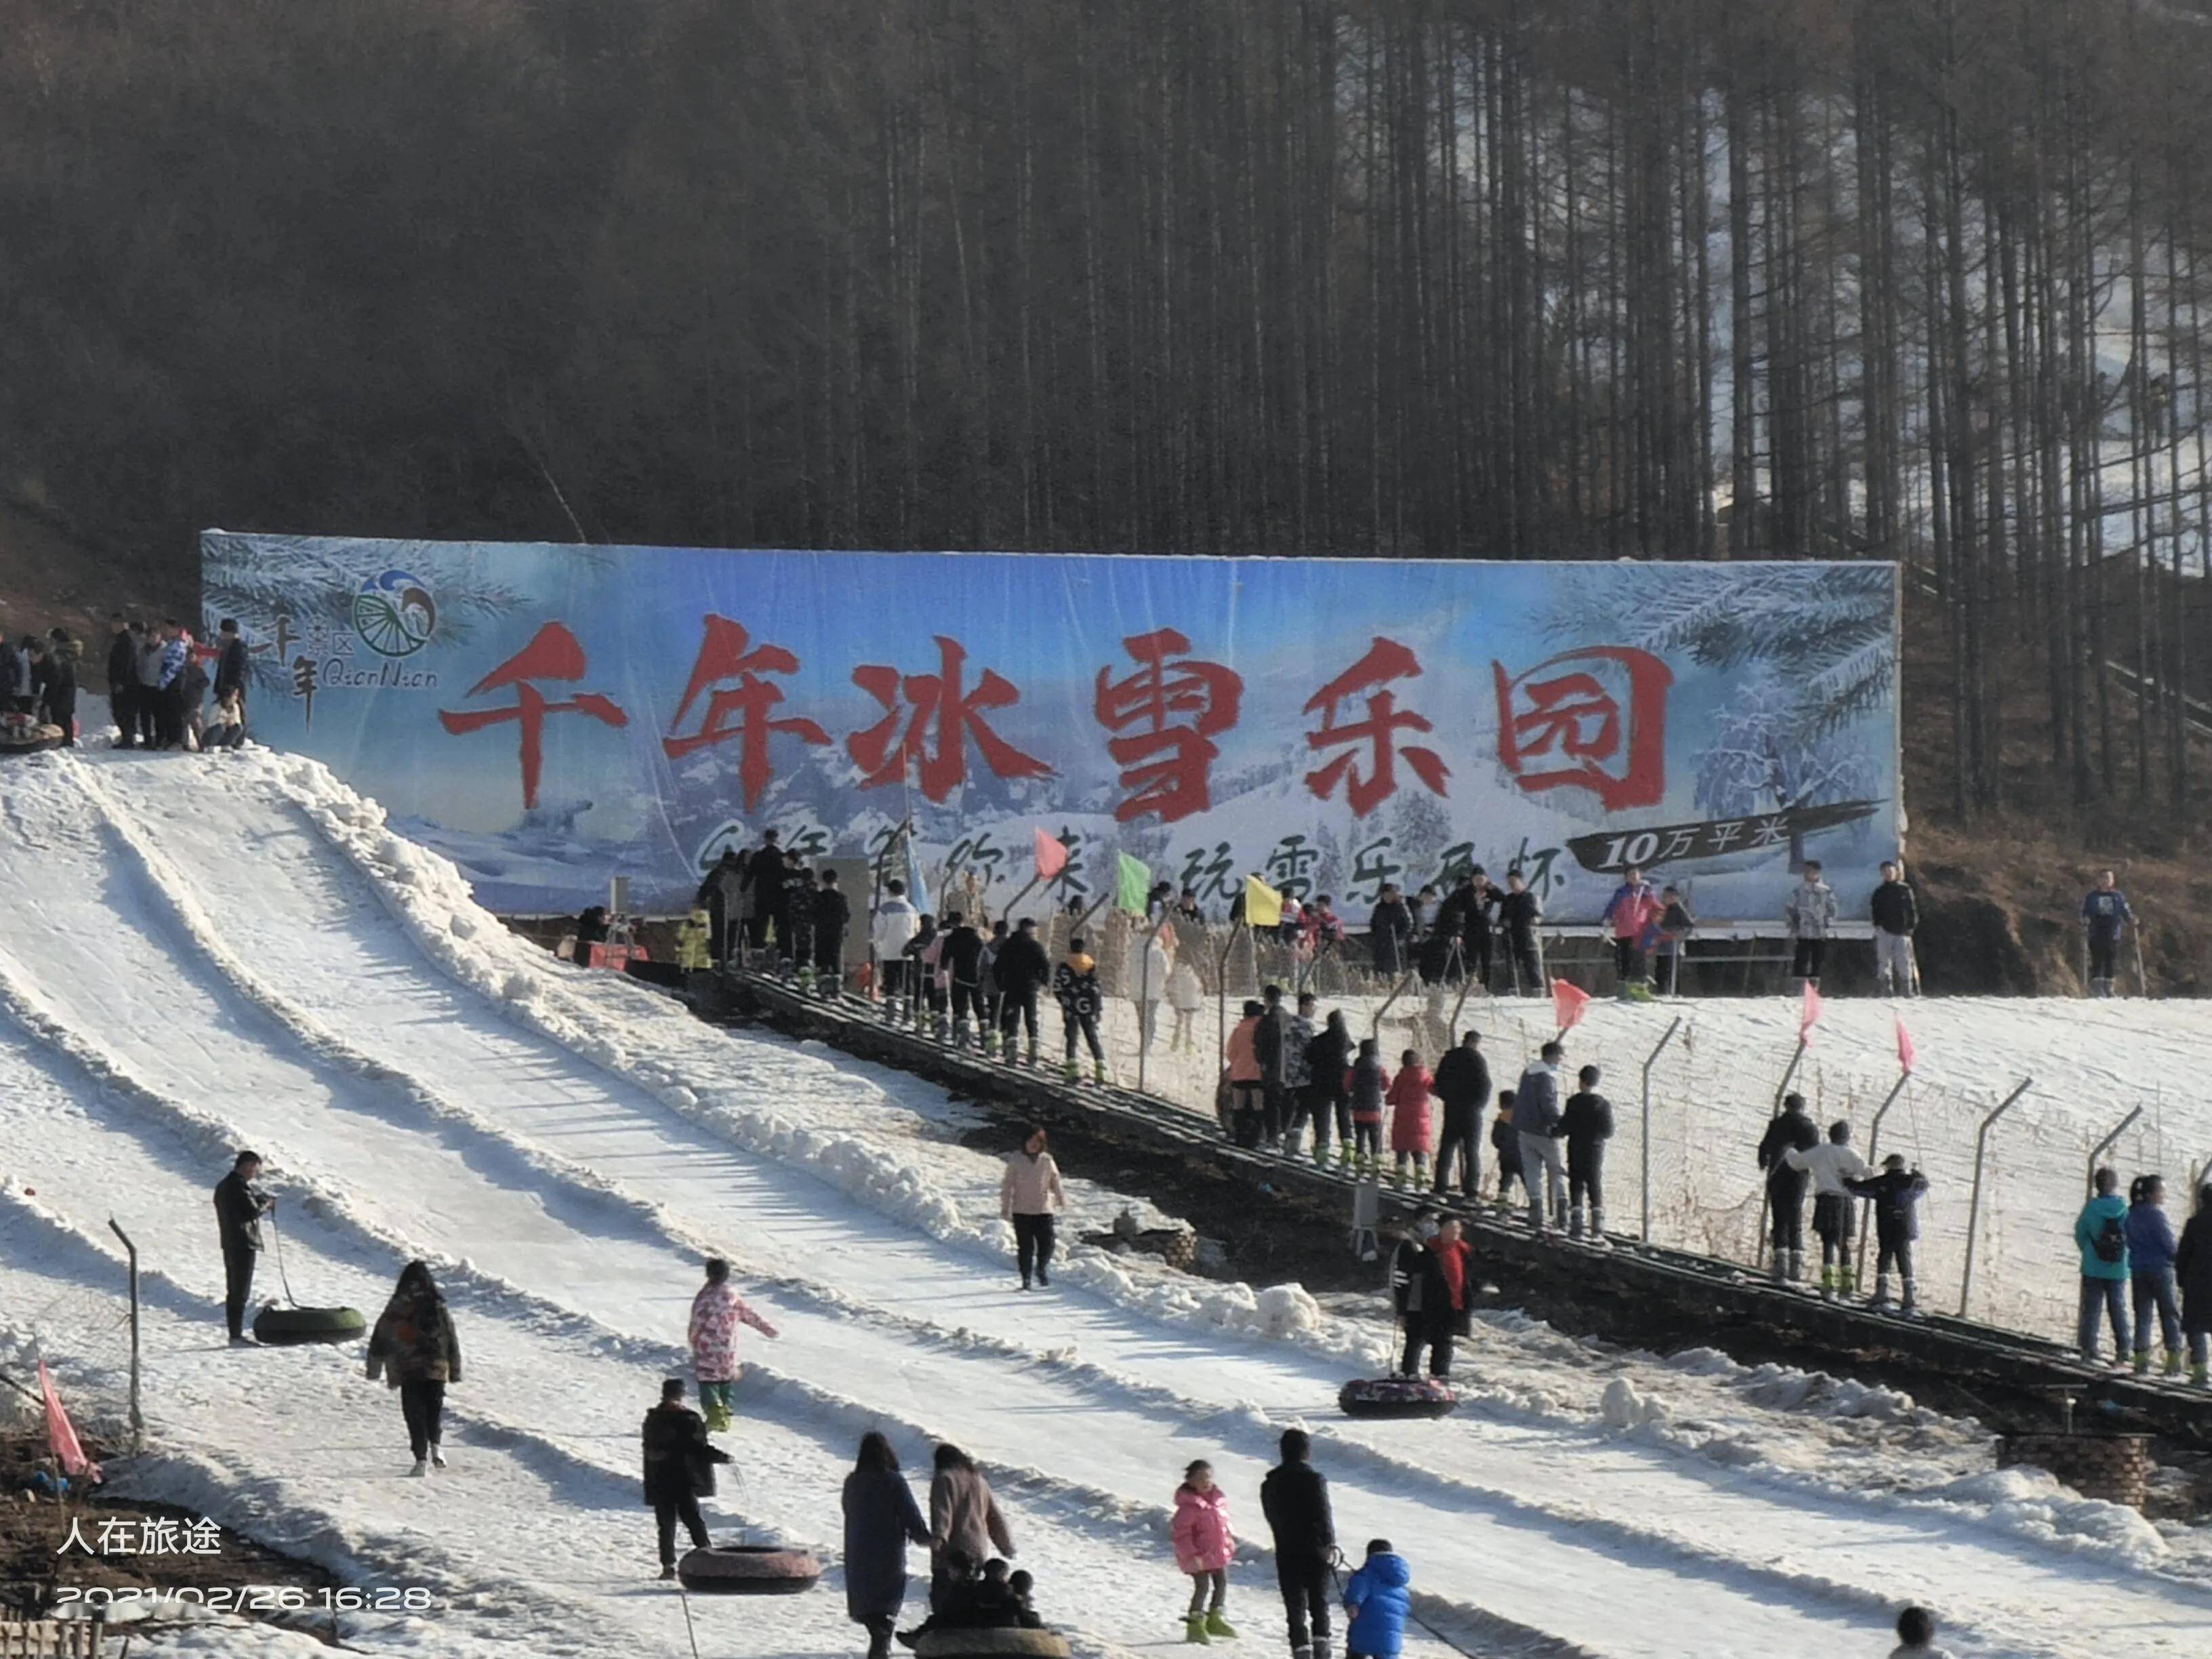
893	927
1832	1165
1186	996
1148	971
1028	1194
1809	913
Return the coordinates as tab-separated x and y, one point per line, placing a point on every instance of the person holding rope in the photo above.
1294	1497
239	1207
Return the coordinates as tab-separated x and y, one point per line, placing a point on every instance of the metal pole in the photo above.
1375	1024
1974	1207
137	1412
2143	979
2090	1186
1650	1061
1789	1074
1874	1158
1221	993
1452	964
1007	912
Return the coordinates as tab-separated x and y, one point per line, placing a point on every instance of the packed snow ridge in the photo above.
235	949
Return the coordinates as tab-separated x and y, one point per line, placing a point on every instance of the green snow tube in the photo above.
289	1328
748	1569
992	1645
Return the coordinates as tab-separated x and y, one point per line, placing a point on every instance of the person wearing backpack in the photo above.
2101	1233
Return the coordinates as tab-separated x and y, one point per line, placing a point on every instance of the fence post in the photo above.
2089	1186
137	1413
1375	1024
1650	1061
1874	1161
1974	1208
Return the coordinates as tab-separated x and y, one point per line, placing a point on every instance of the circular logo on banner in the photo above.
394	614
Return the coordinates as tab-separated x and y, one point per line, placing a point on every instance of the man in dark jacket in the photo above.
961	954
1389	932
2105	912
1792	1130
239	1207
833	914
763	889
123	681
794	927
718	897
1896	912
1518	912
679	1470
1463	1083
1896	1192
1588	1121
1294	1497
1271	1047
230	663
1023	970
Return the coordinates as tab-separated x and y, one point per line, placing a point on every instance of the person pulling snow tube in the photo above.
748	1569
291	1328
992	1645
1397	1396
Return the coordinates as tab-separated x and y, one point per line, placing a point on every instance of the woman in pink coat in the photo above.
1204	1547
1409	1117
716	1313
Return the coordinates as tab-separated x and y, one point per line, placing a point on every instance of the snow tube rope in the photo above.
992	1645
283	1327
748	1569
1396	1396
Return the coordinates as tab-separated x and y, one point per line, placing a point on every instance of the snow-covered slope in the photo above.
204	952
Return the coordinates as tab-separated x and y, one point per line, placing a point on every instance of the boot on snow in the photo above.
422	1468
1216	1625
1070	1072
1575	1221
2173	1362
2143	1362
1194	1630
1827	1282
1098	1072
1880	1296
1778	1269
2199	1374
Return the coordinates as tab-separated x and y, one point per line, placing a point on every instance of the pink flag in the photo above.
61	1433
1905	1054
1812	1015
1568	1002
1051	857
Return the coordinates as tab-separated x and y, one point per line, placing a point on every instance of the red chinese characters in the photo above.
1594	718
941	720
1168	713
551	654
1386	660
741	709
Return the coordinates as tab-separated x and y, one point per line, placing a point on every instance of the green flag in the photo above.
1133	884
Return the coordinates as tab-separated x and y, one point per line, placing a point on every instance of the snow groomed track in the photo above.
204	952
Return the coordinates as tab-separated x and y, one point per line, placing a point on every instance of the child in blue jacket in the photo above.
2150	1272
1378	1600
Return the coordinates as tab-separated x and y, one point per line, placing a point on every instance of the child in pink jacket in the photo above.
1409	1117
1204	1547
716	1313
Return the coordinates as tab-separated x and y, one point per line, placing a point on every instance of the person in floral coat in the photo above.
716	1313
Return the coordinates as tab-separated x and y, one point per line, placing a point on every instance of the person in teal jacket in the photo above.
2101	1232
1379	1601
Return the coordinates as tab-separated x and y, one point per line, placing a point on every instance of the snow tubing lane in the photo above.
748	1569
992	1645
288	1327
1396	1396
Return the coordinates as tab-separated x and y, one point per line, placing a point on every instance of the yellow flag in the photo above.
1263	905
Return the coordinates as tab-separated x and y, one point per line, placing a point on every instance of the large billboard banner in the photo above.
550	715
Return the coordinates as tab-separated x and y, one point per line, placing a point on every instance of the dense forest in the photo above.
1918	279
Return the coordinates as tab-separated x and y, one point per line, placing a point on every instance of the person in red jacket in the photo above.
1408	1096
1436	1315
1635	906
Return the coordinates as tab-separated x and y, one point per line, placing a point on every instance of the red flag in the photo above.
1905	1054
1051	857
1813	1011
1568	1002
61	1433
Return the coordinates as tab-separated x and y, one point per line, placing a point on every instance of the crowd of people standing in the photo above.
159	677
